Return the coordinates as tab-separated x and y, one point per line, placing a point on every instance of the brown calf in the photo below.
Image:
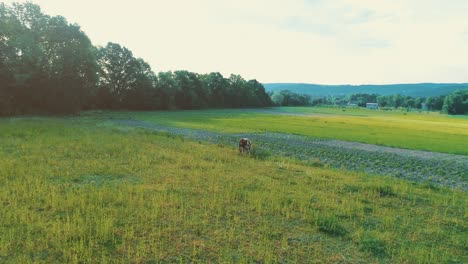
245	145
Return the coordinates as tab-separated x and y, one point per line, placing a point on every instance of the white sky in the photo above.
314	41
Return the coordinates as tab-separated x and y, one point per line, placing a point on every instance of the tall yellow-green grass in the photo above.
74	191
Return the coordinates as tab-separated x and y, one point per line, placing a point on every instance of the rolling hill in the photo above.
415	90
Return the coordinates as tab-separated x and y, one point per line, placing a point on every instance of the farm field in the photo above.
419	131
419	166
91	189
166	144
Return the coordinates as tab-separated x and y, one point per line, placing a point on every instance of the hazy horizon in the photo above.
316	41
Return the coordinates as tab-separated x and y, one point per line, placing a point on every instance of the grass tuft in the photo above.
386	191
374	246
261	154
331	226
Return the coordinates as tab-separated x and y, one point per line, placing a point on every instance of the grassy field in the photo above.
80	190
412	130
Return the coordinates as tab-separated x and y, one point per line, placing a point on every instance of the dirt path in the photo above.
420	166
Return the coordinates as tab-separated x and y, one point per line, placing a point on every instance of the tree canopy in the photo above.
288	98
456	103
48	65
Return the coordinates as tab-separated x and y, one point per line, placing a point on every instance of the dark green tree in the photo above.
166	88
189	92
435	103
383	101
398	100
418	102
68	66
456	103
216	88
142	95
124	81
238	91
48	65
261	98
410	102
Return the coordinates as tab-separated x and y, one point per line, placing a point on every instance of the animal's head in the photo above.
244	141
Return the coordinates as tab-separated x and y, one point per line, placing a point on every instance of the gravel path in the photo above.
439	168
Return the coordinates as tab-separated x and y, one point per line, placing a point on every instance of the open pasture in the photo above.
419	131
81	189
419	166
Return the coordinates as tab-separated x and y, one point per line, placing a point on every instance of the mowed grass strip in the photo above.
419	131
75	192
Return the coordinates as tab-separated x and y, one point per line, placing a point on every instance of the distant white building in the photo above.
372	105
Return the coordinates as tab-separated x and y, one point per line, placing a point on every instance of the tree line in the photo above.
48	65
455	103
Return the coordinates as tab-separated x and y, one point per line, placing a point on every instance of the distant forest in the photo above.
49	66
455	103
414	90
447	98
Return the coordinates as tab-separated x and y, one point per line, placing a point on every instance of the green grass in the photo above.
76	190
412	130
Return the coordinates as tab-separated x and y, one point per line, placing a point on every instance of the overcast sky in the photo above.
313	41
